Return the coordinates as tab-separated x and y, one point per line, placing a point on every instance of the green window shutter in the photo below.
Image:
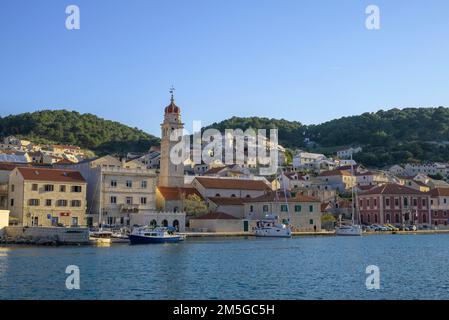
311	221
298	208
311	208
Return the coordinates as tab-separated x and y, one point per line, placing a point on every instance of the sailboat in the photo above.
271	226
350	229
100	237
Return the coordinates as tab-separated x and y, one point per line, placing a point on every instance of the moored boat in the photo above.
101	237
147	235
270	227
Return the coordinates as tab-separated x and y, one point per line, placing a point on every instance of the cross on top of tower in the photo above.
172	92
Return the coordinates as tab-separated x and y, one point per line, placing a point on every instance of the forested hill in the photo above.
387	137
85	130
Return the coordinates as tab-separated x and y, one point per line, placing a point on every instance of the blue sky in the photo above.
310	61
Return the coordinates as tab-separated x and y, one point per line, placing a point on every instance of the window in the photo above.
423	202
415	202
298	208
48	202
444	200
367	203
113	199
405	202
34	187
265	208
12	202
144	184
62	203
375	202
284	208
129	184
76	189
233	195
143	200
396	202
387	202
49	187
113	183
251	208
75	203
311	221
129	200
12	189
74	221
33	202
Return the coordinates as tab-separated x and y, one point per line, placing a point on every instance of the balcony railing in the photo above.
130	208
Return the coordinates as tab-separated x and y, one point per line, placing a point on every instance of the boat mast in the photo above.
353	203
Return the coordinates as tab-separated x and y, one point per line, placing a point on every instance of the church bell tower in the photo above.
171	175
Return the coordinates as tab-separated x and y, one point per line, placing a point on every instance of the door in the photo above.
245	225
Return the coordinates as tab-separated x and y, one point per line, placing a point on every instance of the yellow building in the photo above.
47	197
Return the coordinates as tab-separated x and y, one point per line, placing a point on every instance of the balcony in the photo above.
129	208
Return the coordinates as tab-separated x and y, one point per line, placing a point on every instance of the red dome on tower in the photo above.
172	107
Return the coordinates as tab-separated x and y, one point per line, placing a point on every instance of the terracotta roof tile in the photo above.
335	173
226	201
272	197
237	184
391	188
57	175
439	192
175	193
216	216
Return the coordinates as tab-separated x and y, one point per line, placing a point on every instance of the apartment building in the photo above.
116	190
47	197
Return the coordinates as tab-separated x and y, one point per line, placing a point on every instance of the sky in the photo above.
309	61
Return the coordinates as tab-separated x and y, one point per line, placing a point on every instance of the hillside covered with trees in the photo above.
85	130
387	137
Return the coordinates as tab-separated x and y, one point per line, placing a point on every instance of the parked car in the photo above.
391	227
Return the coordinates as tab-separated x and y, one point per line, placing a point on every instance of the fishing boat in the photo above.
271	227
146	235
101	237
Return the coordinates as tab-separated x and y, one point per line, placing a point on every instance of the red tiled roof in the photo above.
9	166
391	188
226	201
57	175
335	173
238	184
64	161
271	197
176	193
439	192
216	216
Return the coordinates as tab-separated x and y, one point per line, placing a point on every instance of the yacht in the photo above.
146	235
270	227
348	230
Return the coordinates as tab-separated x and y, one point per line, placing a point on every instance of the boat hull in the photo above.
137	239
352	231
270	233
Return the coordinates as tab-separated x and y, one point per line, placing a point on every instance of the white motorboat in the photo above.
101	237
271	227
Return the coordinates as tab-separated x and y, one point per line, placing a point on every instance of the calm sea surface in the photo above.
411	267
